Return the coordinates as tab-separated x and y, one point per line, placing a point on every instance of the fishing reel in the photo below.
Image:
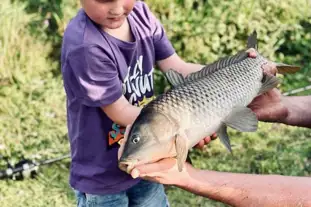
20	171
26	168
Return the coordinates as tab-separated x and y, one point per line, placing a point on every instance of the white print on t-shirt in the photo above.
138	84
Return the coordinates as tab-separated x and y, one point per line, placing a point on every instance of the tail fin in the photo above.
284	68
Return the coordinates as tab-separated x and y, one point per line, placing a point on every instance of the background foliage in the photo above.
32	109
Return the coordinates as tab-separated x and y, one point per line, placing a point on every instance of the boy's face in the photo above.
108	13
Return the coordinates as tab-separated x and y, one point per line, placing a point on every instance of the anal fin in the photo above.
189	159
224	138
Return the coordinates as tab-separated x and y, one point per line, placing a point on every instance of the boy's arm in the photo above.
122	106
94	81
176	63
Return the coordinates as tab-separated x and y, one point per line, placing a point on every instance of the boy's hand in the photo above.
251	52
205	141
122	141
269	106
269	68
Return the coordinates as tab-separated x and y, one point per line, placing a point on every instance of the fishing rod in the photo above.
26	168
298	90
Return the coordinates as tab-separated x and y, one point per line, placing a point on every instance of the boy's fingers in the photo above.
270	68
120	151
127	130
200	145
122	141
214	136
251	52
207	139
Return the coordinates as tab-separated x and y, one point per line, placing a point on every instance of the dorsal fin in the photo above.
252	41
177	79
222	63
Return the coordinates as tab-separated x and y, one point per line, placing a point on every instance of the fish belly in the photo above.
199	126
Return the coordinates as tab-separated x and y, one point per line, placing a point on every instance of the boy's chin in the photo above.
110	24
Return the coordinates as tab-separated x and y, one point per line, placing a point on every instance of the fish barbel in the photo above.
199	105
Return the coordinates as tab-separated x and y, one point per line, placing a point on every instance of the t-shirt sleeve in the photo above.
95	78
163	47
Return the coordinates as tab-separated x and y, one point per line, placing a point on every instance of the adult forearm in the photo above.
250	190
299	108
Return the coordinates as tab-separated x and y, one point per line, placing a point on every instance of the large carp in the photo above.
198	105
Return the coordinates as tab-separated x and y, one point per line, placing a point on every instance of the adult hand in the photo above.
269	107
164	171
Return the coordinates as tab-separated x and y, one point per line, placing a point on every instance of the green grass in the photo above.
274	149
32	109
50	188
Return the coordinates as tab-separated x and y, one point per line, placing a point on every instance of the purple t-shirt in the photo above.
97	69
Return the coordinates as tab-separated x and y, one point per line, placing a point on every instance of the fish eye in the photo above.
136	139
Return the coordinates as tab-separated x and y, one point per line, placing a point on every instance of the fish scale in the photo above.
198	105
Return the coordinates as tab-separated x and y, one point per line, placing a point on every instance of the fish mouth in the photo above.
127	165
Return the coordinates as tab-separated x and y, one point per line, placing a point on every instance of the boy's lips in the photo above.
115	19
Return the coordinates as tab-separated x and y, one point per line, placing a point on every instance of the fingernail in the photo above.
135	173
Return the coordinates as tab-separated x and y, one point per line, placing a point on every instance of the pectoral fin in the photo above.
174	78
224	138
181	150
242	119
284	68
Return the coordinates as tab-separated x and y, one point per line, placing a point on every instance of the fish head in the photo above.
149	139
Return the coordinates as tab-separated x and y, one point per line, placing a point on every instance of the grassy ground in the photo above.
32	109
275	149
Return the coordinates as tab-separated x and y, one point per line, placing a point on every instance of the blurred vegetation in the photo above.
32	109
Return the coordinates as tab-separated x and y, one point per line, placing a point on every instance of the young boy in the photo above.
108	55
